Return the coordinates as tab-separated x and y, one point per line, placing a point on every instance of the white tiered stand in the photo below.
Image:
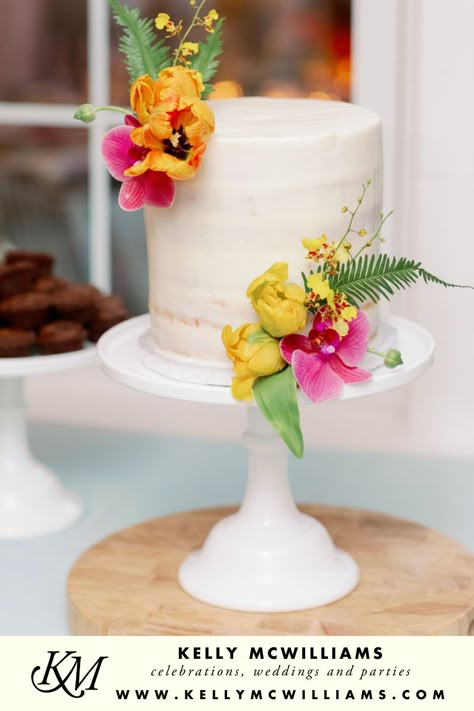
33	502
268	556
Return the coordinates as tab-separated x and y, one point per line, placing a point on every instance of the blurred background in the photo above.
283	48
395	57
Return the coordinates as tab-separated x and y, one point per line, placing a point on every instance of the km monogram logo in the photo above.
65	674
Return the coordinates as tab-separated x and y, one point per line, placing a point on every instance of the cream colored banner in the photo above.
102	673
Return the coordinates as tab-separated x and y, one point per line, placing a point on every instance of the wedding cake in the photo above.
275	171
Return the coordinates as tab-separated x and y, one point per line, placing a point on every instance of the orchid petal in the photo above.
132	194
294	342
347	373
159	189
131	120
115	151
353	347
316	378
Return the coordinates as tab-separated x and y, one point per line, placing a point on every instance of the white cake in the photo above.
275	171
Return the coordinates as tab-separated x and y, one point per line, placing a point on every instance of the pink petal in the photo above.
348	373
132	193
353	346
131	120
316	378
116	145
159	189
294	342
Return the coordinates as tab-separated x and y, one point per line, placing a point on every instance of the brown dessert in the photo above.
43	261
48	284
29	310
76	302
16	342
110	311
60	337
16	278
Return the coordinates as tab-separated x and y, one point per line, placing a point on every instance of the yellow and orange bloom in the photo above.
254	354
211	17
280	306
175	123
321	250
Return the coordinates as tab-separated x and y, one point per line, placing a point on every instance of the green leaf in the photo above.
144	53
259	336
375	277
206	61
276	397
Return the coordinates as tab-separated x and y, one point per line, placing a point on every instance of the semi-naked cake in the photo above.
275	171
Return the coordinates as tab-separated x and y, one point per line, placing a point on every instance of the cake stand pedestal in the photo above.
269	556
32	500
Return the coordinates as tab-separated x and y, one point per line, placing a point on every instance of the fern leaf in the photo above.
206	61
144	53
373	278
380	276
427	278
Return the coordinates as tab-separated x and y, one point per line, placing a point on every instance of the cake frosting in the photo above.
275	171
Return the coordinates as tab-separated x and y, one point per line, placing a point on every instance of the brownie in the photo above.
43	261
16	278
60	337
110	311
48	284
76	302
16	342
28	310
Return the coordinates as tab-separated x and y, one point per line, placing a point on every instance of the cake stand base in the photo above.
268	556
33	501
414	581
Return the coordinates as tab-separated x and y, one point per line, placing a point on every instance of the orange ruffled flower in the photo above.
175	123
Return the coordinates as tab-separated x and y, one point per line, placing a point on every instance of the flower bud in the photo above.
85	113
393	358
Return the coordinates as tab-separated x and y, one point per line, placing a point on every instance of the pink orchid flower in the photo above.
322	361
119	153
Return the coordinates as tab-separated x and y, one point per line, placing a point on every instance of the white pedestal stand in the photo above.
32	500
268	556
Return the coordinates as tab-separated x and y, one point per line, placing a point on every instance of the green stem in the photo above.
352	214
375	236
379	353
186	34
120	109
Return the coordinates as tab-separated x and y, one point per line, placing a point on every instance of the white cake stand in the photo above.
268	556
32	500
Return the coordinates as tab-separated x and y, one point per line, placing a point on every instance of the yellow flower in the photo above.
161	20
210	18
175	123
321	249
189	48
280	306
319	286
254	354
339	311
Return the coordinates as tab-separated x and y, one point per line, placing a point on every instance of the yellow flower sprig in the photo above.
185	48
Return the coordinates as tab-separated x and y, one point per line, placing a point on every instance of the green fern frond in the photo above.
431	278
144	53
206	61
375	277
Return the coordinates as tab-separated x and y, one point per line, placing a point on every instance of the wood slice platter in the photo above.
414	581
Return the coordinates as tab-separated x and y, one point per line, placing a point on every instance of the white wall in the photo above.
413	63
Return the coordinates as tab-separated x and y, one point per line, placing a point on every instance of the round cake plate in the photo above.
267	557
33	502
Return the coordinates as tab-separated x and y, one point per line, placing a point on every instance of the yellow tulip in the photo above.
254	354
280	306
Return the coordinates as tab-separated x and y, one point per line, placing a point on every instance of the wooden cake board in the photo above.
414	581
